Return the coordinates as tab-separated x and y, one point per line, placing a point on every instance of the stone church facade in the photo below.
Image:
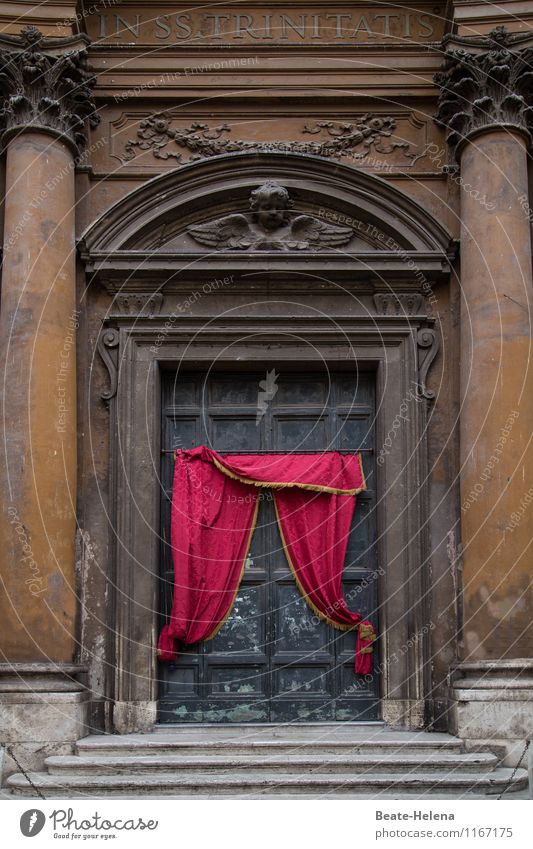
195	198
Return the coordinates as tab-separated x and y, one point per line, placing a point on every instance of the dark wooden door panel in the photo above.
273	660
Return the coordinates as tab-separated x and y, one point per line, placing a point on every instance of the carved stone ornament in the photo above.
137	304
367	132
486	81
108	343
428	347
270	227
46	86
400	304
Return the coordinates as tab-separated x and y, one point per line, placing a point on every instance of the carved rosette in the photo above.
45	84
486	82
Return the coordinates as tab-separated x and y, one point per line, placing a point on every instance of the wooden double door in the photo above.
272	661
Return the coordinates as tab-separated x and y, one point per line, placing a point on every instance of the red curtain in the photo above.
214	509
211	525
315	530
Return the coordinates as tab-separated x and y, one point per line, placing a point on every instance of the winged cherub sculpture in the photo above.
270	226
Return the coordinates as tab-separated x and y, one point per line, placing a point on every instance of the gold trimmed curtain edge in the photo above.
364	487
314	608
232	604
308	486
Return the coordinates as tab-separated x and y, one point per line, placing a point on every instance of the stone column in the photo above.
484	103
45	92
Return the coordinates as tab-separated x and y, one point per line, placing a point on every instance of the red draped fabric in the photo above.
315	533
211	525
214	509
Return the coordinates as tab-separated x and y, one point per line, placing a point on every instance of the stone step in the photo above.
228	731
275	739
317	731
269	785
229	762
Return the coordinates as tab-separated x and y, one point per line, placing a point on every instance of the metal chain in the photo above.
25	774
506	788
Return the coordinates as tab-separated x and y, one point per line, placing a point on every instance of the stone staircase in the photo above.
273	761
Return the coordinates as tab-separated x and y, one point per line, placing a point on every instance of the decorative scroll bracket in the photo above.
108	342
428	344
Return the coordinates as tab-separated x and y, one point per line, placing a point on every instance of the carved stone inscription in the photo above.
232	24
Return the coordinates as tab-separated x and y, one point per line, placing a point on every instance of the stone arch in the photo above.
223	184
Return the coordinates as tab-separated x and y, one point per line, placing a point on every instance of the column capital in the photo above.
486	82
45	84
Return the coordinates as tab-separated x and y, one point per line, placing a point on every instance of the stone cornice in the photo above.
486	82
53	17
476	17
45	84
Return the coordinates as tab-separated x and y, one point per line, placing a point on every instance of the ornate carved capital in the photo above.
45	84
486	82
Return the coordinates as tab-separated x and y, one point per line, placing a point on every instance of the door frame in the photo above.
335	695
399	348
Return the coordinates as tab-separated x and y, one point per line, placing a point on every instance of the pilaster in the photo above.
45	98
486	106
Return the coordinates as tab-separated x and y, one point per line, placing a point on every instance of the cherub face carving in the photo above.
270	204
272	226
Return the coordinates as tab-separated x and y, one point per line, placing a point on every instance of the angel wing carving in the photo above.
231	231
310	232
236	232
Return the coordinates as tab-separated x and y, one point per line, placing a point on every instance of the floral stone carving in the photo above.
367	132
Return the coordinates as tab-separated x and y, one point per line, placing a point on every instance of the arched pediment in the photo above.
318	210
